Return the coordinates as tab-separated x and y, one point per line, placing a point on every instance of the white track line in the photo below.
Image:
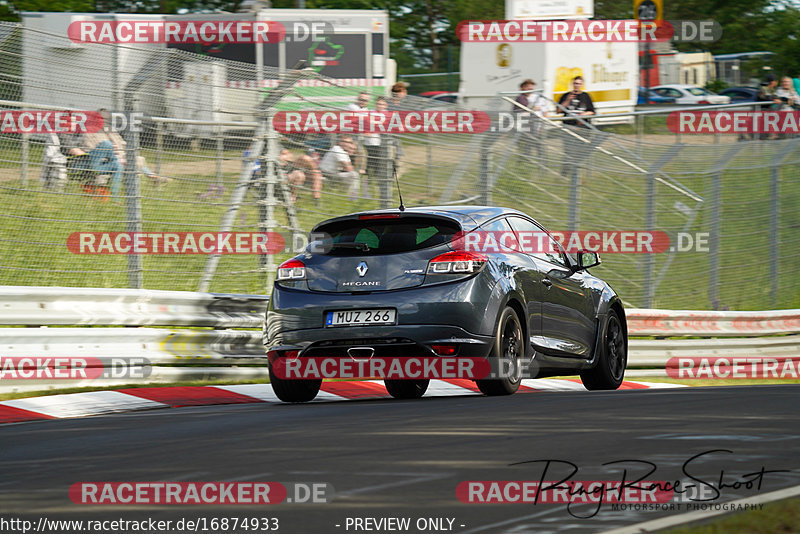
699	515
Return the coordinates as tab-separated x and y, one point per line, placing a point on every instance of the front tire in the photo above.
610	368
294	390
406	389
508	344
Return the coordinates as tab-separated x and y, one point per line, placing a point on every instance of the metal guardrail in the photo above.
217	350
656	352
643	322
42	305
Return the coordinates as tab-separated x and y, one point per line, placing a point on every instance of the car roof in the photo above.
676	86
468	216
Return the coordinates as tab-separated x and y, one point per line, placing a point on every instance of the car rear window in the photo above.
387	236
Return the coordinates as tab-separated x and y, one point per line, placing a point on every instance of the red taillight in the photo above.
706	102
379	216
275	354
292	270
457	262
444	350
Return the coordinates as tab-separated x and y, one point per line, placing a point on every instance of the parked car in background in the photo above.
650	97
690	94
741	94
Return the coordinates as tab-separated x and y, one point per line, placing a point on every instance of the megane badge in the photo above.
362	268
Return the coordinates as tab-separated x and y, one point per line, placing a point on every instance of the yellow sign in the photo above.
648	9
564	76
610	95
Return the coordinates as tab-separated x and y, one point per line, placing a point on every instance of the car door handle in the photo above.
547	282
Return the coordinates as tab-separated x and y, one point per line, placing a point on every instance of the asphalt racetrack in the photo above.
404	459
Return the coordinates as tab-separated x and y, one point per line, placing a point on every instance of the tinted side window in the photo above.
524	225
497	225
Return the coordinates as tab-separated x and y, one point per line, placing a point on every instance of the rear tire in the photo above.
508	344
610	368
406	389
294	390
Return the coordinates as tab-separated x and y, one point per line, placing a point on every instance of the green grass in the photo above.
782	517
34	224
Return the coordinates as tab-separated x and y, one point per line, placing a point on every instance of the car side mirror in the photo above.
587	260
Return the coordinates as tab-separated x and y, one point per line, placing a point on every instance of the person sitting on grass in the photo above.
106	151
297	170
338	165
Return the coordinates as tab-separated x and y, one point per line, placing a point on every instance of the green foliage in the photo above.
716	86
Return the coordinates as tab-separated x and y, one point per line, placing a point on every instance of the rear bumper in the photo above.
454	313
410	341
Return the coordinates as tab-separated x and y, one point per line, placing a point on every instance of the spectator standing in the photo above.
768	89
361	104
377	151
786	96
397	103
577	102
530	140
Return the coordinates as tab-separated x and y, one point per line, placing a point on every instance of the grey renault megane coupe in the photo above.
399	283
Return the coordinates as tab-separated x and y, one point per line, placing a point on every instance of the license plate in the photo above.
361	317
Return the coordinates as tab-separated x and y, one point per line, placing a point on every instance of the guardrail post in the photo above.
133	197
218	132
267	204
25	156
716	222
574	209
774	219
650	224
650	284
429	162
159	145
640	120
774	242
483	178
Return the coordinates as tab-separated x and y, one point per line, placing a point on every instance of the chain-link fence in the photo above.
215	163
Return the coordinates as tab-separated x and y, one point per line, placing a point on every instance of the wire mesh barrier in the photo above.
209	159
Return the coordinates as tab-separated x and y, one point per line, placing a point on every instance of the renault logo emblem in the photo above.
362	268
